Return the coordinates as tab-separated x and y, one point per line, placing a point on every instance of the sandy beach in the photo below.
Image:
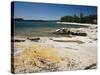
56	53
53	37
83	24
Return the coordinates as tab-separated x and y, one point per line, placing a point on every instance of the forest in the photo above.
91	19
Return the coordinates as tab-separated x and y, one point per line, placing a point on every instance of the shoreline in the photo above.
77	55
64	53
83	24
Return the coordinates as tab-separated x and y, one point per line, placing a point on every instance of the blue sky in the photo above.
42	11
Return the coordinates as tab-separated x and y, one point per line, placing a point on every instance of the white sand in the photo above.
82	55
83	24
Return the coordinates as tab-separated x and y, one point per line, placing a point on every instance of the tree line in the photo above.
92	19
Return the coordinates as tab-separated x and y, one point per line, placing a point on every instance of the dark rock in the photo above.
18	40
70	32
92	66
33	39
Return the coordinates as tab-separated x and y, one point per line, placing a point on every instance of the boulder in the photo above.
70	31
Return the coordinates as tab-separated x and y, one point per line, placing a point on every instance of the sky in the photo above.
44	11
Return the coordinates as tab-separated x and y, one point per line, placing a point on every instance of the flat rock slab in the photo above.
18	40
67	40
33	38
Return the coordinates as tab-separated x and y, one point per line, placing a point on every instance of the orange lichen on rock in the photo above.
35	56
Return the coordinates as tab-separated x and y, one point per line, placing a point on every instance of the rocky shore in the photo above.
46	54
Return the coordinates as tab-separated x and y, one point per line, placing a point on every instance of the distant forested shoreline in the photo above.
31	20
92	19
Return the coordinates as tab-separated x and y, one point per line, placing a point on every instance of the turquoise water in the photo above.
39	28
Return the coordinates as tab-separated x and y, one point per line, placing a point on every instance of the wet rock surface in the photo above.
70	31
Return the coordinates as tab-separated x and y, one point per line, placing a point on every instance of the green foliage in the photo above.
92	19
67	18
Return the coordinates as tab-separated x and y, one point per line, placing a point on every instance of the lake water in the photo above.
39	28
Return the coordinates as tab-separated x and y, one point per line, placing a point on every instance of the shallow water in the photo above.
39	28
